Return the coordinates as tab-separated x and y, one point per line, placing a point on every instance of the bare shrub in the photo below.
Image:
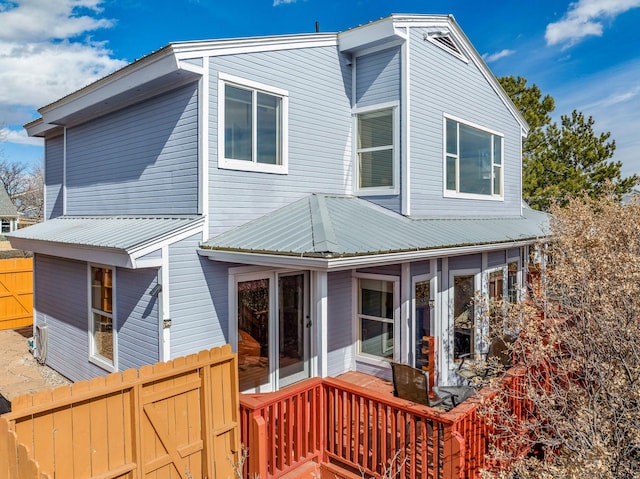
581	357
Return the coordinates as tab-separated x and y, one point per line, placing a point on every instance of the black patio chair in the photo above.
413	385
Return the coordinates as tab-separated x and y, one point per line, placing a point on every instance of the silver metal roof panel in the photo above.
331	226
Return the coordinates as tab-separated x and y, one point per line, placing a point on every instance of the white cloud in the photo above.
19	137
492	57
282	2
584	18
45	53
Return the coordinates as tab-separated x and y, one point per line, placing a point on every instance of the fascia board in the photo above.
186	50
351	262
368	35
110	257
158	64
39	128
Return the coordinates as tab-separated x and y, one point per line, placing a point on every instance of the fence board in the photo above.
16	293
143	424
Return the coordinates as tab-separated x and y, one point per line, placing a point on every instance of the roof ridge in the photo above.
323	235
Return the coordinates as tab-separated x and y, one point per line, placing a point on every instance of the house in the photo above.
321	202
8	213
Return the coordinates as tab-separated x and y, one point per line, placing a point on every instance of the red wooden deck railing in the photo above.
282	430
361	429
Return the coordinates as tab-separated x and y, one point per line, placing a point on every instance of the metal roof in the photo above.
124	241
329	226
115	232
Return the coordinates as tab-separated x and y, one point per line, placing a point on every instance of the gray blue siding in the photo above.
140	160
496	258
441	83
340	340
378	77
318	81
54	167
138	321
199	299
66	314
466	262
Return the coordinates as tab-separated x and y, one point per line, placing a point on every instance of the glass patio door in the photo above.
273	330
294	325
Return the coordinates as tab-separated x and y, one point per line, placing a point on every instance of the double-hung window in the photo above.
473	160
252	132
376	312
376	152
101	320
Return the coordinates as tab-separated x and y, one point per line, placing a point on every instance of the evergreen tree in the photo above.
562	161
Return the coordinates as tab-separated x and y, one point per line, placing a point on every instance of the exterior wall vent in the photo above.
445	41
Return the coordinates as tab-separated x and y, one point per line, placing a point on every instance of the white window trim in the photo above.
242	165
455	194
378	191
367	358
93	358
477	285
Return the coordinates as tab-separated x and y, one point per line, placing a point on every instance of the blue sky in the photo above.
586	53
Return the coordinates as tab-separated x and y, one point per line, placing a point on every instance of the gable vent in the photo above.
446	42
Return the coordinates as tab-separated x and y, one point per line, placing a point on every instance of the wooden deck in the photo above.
366	381
354	424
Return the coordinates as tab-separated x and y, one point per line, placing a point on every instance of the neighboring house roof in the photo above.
7	208
330	231
113	240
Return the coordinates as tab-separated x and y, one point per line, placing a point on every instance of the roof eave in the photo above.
108	256
130	78
131	256
333	262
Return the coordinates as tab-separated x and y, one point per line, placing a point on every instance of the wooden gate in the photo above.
177	419
16	293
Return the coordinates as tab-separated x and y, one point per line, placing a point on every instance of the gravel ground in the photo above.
20	373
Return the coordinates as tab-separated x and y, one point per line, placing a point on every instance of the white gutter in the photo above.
351	262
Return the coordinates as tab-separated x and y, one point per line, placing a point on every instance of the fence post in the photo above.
453	460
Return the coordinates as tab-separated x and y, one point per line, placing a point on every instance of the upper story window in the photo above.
252	132
376	151
473	161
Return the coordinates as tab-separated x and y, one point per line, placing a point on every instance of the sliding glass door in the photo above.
273	330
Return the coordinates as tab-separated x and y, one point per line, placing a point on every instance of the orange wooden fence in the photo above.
175	419
16	293
361	429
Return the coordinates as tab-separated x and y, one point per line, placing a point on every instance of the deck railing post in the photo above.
258	453
453	460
